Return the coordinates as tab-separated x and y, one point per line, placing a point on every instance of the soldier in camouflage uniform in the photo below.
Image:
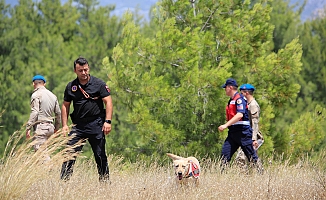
44	104
254	110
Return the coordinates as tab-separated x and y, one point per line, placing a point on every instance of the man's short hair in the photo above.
80	61
36	82
251	92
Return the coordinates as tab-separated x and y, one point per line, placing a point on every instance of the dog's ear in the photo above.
170	155
174	157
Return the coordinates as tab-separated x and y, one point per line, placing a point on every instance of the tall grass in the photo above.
25	175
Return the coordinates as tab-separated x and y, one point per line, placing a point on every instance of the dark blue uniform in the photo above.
240	133
88	118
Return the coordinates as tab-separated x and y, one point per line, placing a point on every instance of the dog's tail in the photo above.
174	157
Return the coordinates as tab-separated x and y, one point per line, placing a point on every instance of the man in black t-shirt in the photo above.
91	119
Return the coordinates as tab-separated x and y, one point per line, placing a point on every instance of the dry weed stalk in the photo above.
21	167
26	176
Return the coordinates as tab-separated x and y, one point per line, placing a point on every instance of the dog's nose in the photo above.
179	173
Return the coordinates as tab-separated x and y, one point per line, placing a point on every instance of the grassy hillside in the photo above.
24	175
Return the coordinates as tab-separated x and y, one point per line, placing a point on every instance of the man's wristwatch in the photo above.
108	121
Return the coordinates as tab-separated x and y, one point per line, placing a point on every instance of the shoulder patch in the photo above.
74	88
239	101
107	88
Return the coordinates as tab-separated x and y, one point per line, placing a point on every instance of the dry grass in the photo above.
25	176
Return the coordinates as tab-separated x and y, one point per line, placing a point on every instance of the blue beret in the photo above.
230	81
38	77
247	86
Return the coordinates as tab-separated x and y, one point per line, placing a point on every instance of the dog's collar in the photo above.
193	170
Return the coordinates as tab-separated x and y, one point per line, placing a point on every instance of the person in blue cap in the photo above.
92	115
45	117
247	90
238	124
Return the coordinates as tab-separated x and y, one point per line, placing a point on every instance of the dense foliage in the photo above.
165	75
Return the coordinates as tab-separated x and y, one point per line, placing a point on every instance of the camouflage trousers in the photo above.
241	159
43	132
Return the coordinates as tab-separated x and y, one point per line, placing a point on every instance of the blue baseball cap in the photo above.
39	77
230	81
247	86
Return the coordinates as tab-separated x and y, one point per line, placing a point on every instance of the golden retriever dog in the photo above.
186	169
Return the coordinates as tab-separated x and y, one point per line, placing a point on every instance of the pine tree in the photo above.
172	80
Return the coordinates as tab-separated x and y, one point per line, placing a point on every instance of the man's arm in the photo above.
234	119
254	114
35	108
255	128
64	116
108	114
57	113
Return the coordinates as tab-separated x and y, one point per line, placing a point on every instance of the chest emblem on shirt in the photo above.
74	88
239	101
